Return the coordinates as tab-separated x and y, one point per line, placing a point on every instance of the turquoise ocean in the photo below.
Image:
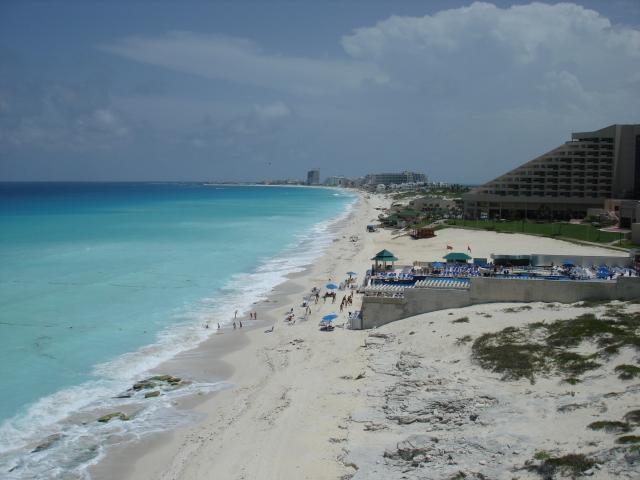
100	282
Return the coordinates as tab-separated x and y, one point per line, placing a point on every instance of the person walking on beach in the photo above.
240	323
218	326
235	315
234	324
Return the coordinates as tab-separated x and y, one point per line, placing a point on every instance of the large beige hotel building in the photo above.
567	181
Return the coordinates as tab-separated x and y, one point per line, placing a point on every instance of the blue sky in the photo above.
249	90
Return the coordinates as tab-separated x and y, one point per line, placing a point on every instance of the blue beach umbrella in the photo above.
331	316
568	263
351	273
331	286
437	265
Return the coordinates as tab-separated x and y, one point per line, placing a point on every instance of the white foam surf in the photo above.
71	412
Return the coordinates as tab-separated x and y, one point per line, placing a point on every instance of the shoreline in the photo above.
292	407
216	358
203	376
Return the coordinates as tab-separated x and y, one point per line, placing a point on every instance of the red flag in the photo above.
449	247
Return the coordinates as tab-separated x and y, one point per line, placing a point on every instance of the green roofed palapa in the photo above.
385	256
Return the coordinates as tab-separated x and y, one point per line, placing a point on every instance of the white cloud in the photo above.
506	53
481	74
239	60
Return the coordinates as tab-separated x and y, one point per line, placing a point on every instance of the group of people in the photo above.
236	321
346	301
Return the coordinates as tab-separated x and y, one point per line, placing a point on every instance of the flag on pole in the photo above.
449	247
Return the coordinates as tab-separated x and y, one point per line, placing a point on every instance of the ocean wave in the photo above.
71	413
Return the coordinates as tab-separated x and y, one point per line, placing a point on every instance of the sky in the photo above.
251	90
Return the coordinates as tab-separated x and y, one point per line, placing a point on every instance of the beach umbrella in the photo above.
331	316
351	274
437	265
331	286
568	263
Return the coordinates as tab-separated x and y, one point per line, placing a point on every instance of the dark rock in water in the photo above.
109	416
473	417
50	440
143	385
164	378
155	393
152	382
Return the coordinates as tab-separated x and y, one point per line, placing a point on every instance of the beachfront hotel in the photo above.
567	181
396	178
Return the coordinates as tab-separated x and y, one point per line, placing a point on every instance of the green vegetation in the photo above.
627	372
633	416
583	232
461	320
572	464
575	364
591	303
541	348
510	353
516	309
463	340
628	244
542	455
627	439
610	426
572	380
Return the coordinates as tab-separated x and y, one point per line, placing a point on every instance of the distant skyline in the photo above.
192	90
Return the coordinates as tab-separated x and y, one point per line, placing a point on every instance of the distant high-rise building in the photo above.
395	178
335	181
567	181
313	177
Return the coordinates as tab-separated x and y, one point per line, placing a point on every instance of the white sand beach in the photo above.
309	404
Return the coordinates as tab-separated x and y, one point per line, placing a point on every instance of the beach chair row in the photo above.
441	283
